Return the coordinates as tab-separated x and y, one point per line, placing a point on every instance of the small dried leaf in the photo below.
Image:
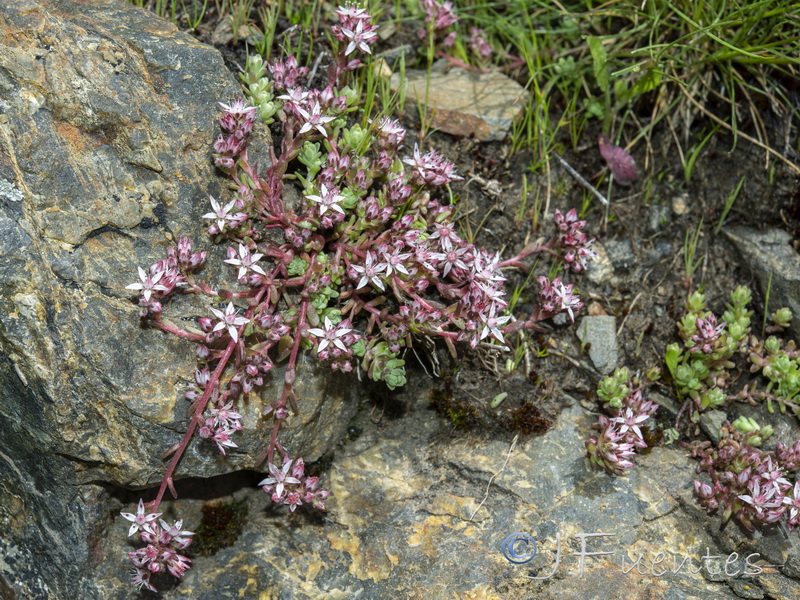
293	402
171	451
621	163
284	347
171	487
450	346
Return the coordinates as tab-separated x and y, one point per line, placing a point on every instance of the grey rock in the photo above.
662	249
393	55
667	403
791	568
465	103
779	587
109	114
621	254
600	269
769	254
417	515
10	192
746	589
711	421
561	319
601	332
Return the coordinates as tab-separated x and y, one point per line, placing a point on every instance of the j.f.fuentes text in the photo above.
521	548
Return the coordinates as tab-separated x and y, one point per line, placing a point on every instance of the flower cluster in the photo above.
747	483
752	485
236	124
701	366
163	542
430	169
166	276
354	31
220	425
367	260
556	297
336	343
439	18
287	74
575	243
223	217
621	434
707	339
356	28
389	134
478	44
290	486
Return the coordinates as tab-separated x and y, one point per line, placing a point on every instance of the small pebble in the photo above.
680	204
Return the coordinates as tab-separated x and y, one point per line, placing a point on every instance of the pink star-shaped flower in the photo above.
229	319
139	520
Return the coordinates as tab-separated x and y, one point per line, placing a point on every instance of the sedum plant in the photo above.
755	487
620	434
702	365
368	260
779	364
441	34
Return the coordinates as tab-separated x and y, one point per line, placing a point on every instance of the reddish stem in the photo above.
247	294
457	62
289	377
158	323
202	402
198	286
198	413
516	261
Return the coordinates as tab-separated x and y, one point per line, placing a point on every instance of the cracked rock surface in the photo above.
420	513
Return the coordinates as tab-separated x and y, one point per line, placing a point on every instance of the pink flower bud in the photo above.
155	567
298	467
223	162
